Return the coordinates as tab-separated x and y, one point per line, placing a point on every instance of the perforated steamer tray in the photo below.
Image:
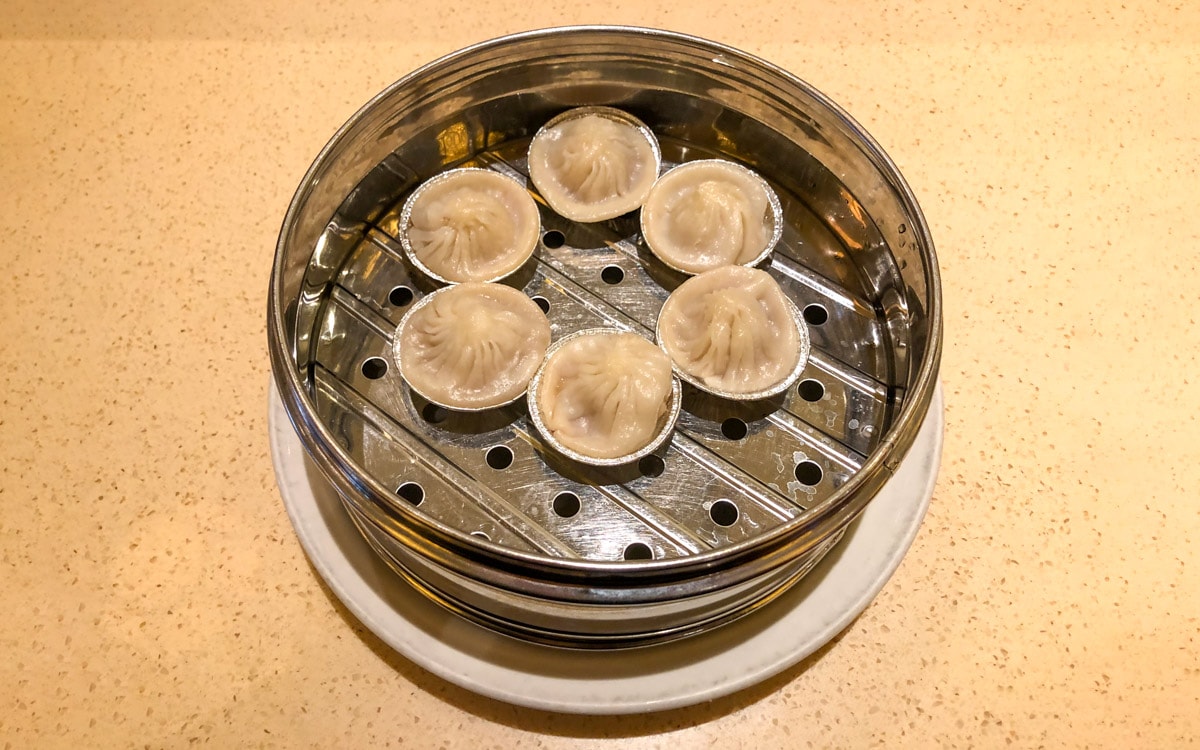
473	509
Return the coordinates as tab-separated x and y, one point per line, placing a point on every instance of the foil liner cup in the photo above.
519	248
665	427
399	360
544	180
657	244
788	381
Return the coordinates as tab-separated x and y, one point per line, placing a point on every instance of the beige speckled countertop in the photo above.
155	593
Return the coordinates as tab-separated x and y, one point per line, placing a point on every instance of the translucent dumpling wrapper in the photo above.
469	225
471	346
711	213
594	163
605	397
733	332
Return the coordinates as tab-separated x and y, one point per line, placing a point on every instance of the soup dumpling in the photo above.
733	332
472	346
594	163
470	225
603	394
710	213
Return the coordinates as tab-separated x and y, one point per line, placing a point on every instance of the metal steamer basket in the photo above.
472	508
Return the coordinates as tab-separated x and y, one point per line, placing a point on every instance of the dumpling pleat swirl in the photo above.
710	213
461	231
717	224
468	341
594	163
604	395
470	225
597	159
473	345
732	330
735	339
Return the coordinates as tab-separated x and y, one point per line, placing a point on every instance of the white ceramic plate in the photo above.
653	678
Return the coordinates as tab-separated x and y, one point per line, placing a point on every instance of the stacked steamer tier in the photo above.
472	507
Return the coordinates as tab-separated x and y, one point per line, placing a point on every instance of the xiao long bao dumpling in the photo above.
469	225
604	397
594	163
471	346
710	213
732	332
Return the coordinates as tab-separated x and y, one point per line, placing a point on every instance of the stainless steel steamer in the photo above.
472	508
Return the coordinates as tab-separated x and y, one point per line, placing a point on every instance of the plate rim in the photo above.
641	680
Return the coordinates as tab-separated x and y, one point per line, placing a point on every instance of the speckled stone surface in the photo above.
155	594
